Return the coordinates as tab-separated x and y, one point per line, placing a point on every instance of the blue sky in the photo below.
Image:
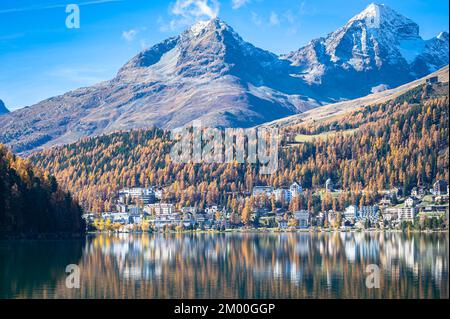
40	57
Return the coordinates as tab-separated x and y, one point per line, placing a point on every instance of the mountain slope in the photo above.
210	73
377	47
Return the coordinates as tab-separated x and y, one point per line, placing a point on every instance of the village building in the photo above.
121	208
351	213
137	195
369	213
390	214
411	201
329	186
159	209
186	210
303	218
432	80
395	192
407	214
418	191
262	190
295	189
386	200
282	194
400	214
440	188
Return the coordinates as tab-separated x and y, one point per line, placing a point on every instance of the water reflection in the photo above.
247	266
31	268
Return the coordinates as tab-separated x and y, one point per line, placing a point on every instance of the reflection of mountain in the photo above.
30	264
261	266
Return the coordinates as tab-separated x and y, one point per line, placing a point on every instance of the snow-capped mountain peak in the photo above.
378	15
215	24
198	27
376	47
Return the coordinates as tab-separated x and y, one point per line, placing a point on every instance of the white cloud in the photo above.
274	19
292	30
196	8
290	17
130	35
236	4
256	19
187	12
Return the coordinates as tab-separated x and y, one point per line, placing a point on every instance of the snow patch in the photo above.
379	88
198	27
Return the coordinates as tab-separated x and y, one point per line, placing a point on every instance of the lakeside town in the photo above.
144	209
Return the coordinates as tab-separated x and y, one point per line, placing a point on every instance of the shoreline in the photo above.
43	237
272	231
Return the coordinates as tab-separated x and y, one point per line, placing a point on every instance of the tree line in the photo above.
32	202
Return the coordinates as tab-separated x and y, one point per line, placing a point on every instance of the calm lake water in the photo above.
331	265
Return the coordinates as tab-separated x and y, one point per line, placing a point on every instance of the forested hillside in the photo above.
32	203
401	143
